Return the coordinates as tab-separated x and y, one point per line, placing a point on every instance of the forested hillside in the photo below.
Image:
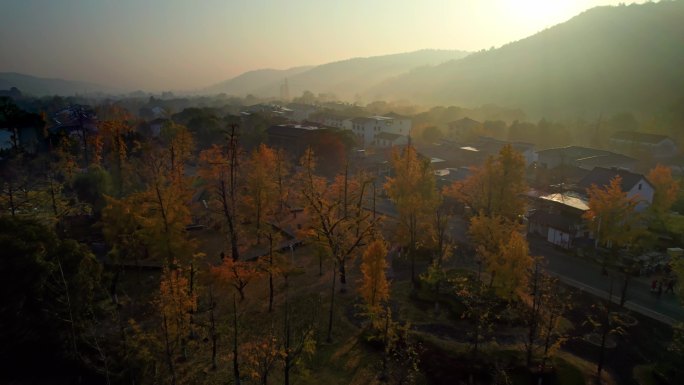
606	60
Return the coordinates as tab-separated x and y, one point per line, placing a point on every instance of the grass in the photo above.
643	375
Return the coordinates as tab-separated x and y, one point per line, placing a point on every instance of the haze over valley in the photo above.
311	192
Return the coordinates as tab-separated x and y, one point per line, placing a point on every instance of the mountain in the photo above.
252	81
345	79
36	86
605	60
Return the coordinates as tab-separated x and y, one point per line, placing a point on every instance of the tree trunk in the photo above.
332	307
534	316
169	354
623	292
212	328
236	367
287	365
343	276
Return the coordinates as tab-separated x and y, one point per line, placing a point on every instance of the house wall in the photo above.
558	238
643	193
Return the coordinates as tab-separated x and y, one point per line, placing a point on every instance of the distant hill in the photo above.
345	78
36	86
252	81
605	60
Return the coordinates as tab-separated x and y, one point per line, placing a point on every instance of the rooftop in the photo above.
567	199
601	177
638	137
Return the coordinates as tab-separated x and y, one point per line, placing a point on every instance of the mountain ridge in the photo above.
44	86
606	59
343	77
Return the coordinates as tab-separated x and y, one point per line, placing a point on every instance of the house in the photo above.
366	128
631	142
292	138
583	157
301	111
332	120
558	218
635	185
400	124
388	139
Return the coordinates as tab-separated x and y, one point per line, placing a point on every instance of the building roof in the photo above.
639	137
574	152
601	177
370	119
290	130
567	199
608	160
465	123
394	115
388	136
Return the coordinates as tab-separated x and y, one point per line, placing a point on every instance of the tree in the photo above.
47	293
413	191
261	184
666	190
237	273
338	221
92	185
612	216
496	188
114	129
504	253
544	307
175	303
337	217
219	169
374	287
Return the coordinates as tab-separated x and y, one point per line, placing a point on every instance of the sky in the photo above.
158	45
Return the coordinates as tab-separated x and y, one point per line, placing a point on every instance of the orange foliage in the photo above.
611	215
374	286
237	273
666	189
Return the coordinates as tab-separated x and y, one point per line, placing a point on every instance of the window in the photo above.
639	188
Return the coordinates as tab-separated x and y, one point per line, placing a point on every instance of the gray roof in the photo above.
601	177
639	137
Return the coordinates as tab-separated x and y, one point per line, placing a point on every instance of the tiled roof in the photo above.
638	137
602	176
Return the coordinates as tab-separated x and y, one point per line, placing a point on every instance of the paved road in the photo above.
584	274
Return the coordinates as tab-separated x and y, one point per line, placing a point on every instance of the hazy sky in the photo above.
175	44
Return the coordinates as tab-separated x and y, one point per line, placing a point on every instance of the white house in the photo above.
388	139
367	128
635	185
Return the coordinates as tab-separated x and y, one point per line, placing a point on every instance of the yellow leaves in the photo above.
611	215
413	191
504	252
374	286
666	189
175	302
237	273
496	187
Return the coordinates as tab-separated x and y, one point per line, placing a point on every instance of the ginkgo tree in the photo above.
374	288
612	215
219	170
412	188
